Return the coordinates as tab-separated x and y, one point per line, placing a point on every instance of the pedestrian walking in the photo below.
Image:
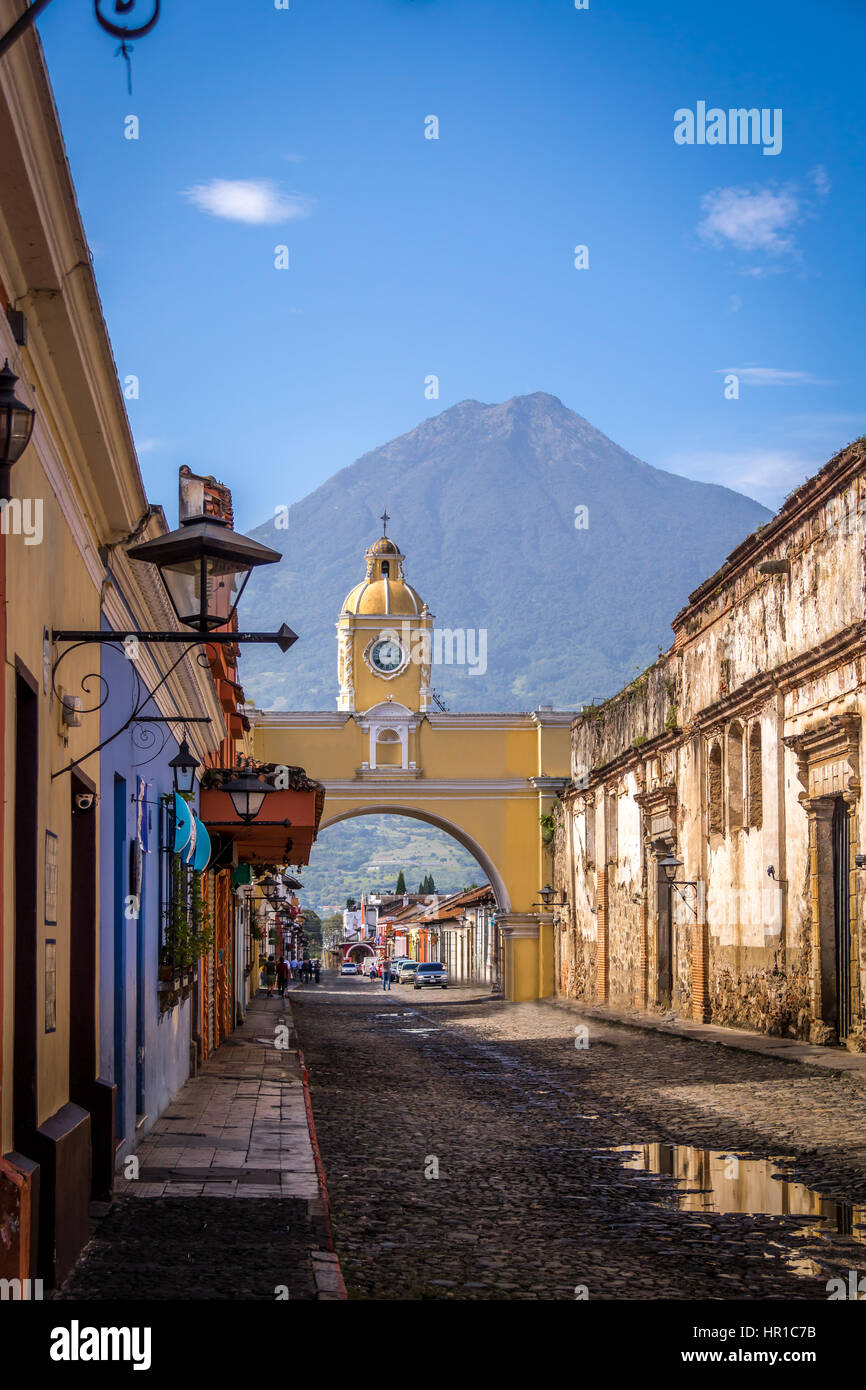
270	975
317	967
386	973
283	976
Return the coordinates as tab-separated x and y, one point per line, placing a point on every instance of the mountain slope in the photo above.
482	500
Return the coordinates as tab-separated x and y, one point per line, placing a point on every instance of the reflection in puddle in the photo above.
712	1180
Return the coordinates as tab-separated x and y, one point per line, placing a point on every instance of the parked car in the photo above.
396	962
405	971
348	968
432	972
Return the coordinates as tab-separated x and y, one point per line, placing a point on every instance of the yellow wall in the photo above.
46	582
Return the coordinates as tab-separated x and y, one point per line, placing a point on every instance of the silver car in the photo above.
405	971
432	972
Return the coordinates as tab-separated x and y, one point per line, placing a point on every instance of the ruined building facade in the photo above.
740	754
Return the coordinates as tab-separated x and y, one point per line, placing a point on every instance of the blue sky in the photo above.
409	257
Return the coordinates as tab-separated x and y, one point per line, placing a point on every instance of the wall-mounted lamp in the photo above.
771	873
547	895
16	427
671	866
183	769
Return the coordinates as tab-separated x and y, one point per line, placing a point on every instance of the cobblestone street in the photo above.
530	1201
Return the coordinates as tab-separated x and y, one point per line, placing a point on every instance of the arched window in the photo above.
389	750
386	568
756	778
714	791
736	805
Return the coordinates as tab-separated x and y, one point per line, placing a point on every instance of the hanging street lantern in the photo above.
204	566
247	794
183	767
16	427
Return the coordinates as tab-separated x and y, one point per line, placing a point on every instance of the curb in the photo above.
326	1263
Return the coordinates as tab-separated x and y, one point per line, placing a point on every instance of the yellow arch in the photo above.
486	779
478	852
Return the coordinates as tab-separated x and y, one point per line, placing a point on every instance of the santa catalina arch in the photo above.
486	779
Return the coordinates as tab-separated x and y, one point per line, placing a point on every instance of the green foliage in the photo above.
401	883
189	930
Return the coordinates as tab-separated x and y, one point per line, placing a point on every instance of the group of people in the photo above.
282	973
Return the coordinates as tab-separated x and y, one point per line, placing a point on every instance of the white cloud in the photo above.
821	180
772	376
768	475
255	201
149	446
750	219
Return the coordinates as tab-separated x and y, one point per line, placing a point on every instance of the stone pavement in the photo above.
510	1163
241	1129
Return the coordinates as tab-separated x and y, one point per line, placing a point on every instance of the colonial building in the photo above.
121	951
709	851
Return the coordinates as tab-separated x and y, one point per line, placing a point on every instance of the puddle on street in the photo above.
724	1182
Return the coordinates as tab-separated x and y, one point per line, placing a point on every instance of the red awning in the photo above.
269	839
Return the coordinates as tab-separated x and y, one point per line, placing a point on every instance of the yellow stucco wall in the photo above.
50	578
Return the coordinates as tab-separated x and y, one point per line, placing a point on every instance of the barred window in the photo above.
756	778
735	777
714	791
612	827
590	832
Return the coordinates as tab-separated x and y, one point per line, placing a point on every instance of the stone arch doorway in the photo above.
485	863
359	952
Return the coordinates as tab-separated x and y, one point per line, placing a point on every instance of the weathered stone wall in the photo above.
724	752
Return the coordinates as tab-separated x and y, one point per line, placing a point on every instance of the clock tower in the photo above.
384	637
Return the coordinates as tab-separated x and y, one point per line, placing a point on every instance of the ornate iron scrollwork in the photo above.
135	10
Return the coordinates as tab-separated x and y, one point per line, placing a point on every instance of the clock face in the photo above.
387	655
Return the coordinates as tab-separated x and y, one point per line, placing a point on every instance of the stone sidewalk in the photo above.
838	1059
241	1129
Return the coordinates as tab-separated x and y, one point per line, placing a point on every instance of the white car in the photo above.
432	972
348	968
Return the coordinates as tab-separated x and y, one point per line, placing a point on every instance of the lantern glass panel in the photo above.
16	425
223	582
